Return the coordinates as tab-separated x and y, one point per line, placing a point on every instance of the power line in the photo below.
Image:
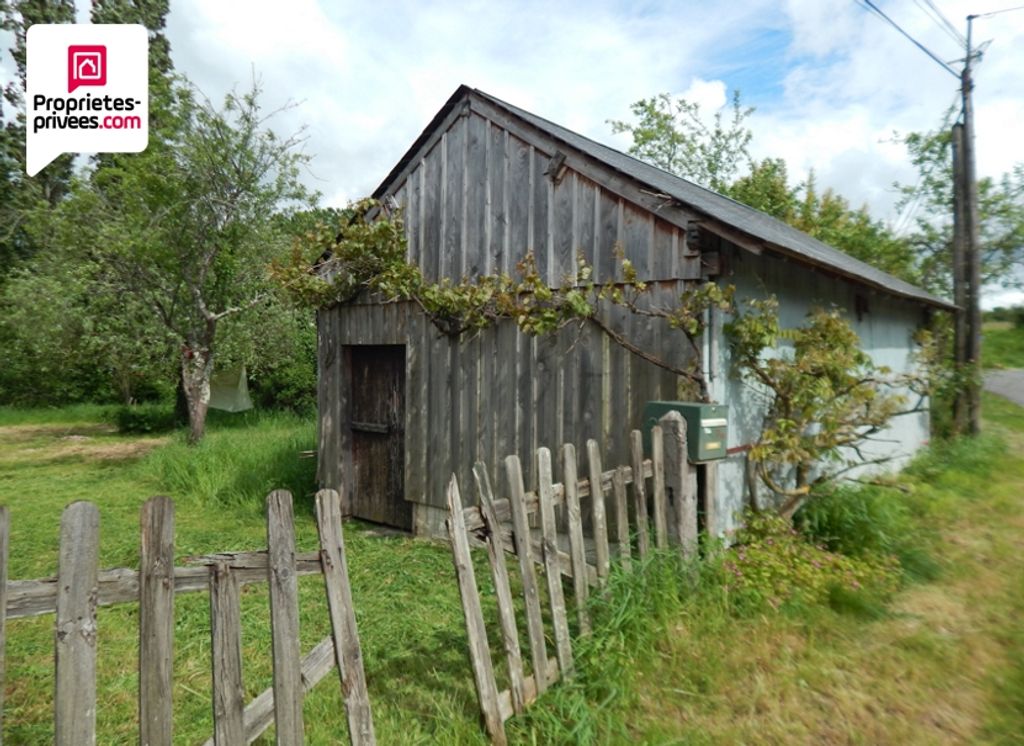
871	6
997	12
933	12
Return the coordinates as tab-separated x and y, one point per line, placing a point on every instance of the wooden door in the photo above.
377	421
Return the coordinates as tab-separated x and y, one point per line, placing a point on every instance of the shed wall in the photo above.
480	197
886	331
501	392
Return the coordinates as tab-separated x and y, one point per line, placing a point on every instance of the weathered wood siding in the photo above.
481	197
500	393
475	202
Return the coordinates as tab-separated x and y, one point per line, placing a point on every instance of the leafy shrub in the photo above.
774	564
145	418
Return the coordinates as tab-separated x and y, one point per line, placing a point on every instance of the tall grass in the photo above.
239	461
66	415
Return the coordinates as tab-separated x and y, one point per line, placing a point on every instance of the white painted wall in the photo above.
886	332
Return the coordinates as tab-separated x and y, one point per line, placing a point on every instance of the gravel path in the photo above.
1008	383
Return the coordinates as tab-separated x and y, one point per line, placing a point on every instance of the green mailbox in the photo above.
707	427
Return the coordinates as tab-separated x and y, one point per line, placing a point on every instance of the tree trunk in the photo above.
196	370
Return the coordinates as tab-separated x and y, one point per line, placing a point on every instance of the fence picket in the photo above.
553	570
75	648
348	655
622	517
283	585
479	651
521	533
502	587
598	518
640	494
156	621
577	547
660	507
226	652
5	532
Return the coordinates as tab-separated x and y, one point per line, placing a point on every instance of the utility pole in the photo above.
968	211
959	277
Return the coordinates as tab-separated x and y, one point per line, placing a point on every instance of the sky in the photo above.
832	83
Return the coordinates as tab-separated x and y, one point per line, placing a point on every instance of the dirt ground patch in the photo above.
117	451
16	433
94	442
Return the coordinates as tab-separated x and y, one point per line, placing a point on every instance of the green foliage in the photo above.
283	373
825	396
830	218
145	418
772	564
930	201
1002	347
871	521
766	188
186	229
18	192
1013	315
673	135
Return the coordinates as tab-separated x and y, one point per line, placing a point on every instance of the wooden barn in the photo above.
402	406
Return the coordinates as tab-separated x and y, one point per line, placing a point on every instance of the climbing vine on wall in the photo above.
367	254
825	399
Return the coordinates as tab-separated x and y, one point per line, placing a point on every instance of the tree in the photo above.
19	194
930	201
188	226
673	135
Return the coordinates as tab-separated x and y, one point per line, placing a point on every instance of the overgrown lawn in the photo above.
676	657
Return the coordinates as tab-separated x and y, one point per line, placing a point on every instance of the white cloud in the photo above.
831	81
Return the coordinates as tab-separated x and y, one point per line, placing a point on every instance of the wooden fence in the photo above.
73	596
507	525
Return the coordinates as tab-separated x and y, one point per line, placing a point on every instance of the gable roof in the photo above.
779	236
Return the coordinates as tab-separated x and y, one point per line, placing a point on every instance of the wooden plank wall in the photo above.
476	203
502	392
482	197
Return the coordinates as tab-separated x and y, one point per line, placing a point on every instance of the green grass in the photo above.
674	658
1002	346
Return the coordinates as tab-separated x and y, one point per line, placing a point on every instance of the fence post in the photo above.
283	585
156	622
347	652
679	483
75	649
479	651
